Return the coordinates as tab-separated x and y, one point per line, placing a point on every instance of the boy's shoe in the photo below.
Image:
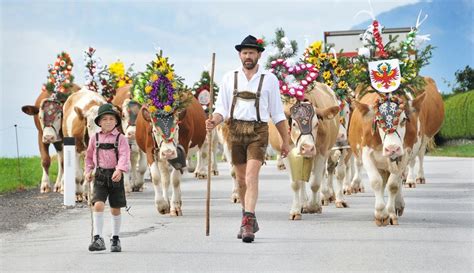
115	244
98	244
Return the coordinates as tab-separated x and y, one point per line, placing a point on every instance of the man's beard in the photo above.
249	64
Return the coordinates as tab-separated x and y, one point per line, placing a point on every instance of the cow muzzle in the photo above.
392	151
307	150
49	135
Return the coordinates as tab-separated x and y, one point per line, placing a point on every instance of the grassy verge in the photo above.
30	171
462	150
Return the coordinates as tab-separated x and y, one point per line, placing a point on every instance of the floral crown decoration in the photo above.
201	90
160	89
115	77
60	78
294	77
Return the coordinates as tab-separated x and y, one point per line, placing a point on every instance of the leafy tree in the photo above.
464	80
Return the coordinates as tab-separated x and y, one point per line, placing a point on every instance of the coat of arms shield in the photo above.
385	75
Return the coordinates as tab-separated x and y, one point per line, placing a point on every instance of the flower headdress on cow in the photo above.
60	78
201	90
163	93
294	77
392	71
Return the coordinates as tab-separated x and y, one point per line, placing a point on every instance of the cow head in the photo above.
130	110
304	122
390	116
87	116
50	117
165	132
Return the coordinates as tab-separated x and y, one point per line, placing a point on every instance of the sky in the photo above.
33	32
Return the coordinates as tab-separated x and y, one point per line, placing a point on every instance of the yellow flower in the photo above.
154	77
152	108
339	72
121	83
170	76
316	47
117	68
329	83
326	75
148	89
342	85
174	84
323	56
333	62
175	96
167	108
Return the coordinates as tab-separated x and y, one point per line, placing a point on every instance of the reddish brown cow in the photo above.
149	135
47	114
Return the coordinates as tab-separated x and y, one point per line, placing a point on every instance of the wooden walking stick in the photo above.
209	138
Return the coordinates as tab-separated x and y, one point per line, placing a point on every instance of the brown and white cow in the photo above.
313	139
48	115
130	109
430	119
161	145
80	110
385	153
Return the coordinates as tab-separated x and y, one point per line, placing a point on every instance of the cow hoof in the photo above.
163	207
215	173
393	221
347	192
281	167
382	222
325	202
45	189
341	204
295	216
332	199
79	198
399	211
57	188
235	198
420	180
201	176
410	184
176	212
314	209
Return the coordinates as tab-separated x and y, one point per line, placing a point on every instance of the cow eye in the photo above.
404	121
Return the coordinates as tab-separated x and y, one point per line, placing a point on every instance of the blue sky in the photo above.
33	32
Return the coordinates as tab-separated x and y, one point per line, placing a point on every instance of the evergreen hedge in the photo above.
458	117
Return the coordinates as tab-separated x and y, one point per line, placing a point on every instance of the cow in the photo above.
385	150
339	162
48	114
223	135
80	110
130	109
313	132
161	145
430	119
202	157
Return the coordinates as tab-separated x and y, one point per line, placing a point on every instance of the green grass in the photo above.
30	170
463	150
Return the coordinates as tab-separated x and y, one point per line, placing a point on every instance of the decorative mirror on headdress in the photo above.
303	114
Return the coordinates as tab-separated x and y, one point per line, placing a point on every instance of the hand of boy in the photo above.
89	176
117	175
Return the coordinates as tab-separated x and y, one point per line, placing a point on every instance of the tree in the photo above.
464	80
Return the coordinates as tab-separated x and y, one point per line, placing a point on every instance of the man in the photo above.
249	96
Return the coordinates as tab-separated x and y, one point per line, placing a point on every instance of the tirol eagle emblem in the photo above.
385	75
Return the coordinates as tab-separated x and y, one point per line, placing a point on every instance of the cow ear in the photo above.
80	114
327	113
30	110
417	102
146	114
363	108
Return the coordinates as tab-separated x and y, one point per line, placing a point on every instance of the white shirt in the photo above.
270	100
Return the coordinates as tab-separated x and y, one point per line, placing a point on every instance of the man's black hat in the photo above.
251	42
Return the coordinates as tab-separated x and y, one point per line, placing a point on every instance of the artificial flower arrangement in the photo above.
388	110
201	90
60	78
160	89
115	77
294	77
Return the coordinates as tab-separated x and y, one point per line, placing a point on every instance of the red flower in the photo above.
260	41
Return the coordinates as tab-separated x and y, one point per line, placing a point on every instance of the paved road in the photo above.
436	233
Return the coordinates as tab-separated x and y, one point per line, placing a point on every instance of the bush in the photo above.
459	117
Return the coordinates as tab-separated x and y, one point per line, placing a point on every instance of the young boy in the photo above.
108	152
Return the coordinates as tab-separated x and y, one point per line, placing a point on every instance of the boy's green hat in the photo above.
108	109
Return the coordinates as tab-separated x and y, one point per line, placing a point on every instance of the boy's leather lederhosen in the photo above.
249	139
103	185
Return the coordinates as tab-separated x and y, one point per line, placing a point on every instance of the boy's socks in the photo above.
116	222
98	222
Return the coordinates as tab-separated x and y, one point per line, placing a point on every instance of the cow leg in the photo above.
80	186
326	186
296	207
340	175
191	163
215	145
235	197
141	169
59	178
376	182
346	189
314	203
175	209
280	164
202	161
45	163
410	178
161	203
356	185
394	193
420	178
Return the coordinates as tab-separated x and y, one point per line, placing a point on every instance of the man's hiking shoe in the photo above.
115	244
98	244
248	227
255	229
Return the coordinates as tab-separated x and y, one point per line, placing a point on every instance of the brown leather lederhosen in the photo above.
248	139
